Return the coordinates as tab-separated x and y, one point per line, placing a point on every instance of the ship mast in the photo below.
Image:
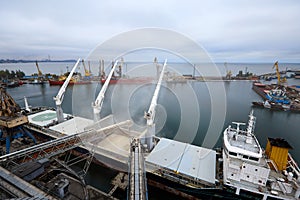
251	124
150	115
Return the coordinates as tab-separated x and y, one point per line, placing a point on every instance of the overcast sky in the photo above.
230	31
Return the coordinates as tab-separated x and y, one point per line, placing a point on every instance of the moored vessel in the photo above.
251	171
59	82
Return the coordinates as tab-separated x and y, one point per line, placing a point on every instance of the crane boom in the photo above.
150	115
60	95
86	71
279	79
97	105
39	71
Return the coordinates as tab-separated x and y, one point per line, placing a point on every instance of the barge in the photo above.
277	97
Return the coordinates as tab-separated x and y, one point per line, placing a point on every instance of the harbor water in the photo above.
238	98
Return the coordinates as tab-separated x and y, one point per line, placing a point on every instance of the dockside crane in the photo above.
87	72
60	95
150	114
97	105
279	79
40	74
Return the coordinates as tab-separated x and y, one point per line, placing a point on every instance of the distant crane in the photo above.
279	79
228	72
101	69
119	72
97	105
150	114
60	95
87	72
39	71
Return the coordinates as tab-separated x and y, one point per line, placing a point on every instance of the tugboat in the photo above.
251	171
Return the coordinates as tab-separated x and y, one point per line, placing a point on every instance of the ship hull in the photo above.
128	80
53	82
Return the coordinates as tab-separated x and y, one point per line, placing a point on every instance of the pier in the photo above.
286	97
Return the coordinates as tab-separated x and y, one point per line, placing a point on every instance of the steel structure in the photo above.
279	79
150	115
60	95
137	173
97	105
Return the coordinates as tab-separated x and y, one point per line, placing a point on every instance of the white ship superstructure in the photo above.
248	170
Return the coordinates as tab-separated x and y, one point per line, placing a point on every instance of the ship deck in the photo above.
240	142
69	127
111	144
109	141
189	160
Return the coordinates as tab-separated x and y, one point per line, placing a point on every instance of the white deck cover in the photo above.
69	127
194	161
72	126
43	118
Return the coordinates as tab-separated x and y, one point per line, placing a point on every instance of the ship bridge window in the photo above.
253	158
232	153
246	157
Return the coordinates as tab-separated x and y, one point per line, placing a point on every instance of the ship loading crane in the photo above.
60	95
279	79
11	120
97	105
150	115
137	175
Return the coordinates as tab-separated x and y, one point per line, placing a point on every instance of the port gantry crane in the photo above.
11	120
60	95
97	105
279	79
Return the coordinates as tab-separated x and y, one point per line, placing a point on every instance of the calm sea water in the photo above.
237	101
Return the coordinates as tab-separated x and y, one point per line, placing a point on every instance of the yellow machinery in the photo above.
39	71
280	80
228	72
86	71
277	150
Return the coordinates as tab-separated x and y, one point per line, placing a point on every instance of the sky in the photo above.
230	31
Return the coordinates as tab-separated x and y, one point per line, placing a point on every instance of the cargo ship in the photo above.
266	174
58	82
239	170
75	80
135	80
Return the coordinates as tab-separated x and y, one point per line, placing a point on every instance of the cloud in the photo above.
71	29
